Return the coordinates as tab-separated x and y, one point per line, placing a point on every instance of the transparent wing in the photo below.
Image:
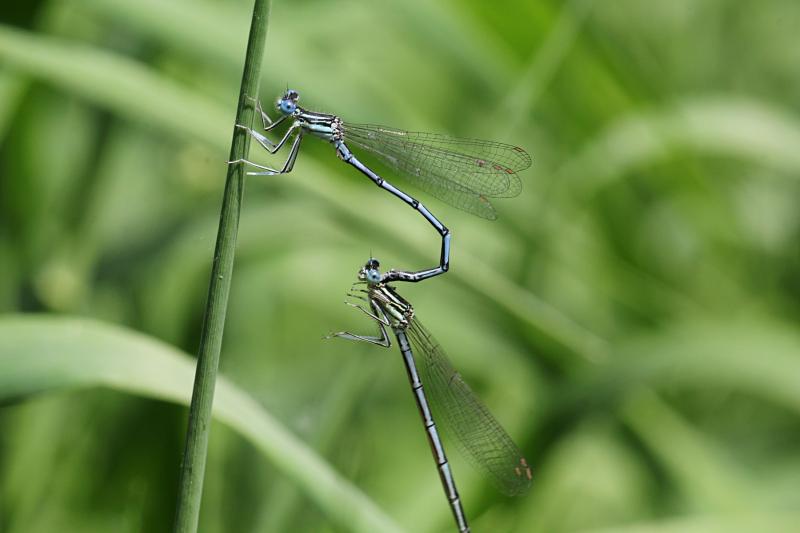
461	172
477	433
458	196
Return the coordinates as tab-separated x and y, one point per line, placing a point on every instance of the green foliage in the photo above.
47	354
630	318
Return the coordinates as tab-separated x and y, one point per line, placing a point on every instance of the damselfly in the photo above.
464	173
482	439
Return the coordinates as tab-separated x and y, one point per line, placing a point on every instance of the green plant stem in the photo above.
196	450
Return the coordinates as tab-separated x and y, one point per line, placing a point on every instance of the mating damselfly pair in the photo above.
465	173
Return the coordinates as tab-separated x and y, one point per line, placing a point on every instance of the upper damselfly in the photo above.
479	435
465	173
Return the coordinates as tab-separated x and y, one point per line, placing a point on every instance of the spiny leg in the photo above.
379	317
267	122
269	171
357	293
265	143
351	294
383	340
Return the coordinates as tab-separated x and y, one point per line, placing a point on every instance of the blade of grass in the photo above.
193	465
47	353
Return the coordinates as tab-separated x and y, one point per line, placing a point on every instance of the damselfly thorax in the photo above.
323	125
397	309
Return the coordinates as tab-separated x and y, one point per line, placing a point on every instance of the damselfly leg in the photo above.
269	171
266	121
378	316
268	145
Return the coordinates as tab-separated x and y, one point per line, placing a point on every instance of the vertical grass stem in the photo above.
195	452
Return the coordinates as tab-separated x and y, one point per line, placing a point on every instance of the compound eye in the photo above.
287	107
373	276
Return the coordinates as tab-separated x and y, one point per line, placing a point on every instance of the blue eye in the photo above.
373	276
287	107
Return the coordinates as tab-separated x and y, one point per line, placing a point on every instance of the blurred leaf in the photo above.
740	128
39	354
734	523
12	88
750	354
590	478
696	463
103	77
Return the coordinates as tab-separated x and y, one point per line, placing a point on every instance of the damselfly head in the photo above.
287	104
370	272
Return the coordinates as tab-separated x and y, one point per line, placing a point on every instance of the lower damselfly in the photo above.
464	173
477	433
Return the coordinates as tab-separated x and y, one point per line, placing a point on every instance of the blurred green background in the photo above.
630	318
